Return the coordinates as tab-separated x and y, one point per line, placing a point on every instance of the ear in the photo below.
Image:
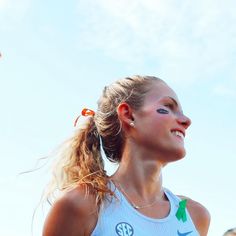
125	113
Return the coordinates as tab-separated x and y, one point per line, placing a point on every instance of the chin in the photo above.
174	156
178	154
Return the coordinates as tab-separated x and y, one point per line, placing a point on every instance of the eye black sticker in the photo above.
162	111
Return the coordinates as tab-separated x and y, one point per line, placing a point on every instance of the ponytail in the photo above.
80	163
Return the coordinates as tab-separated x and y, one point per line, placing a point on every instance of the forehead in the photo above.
160	91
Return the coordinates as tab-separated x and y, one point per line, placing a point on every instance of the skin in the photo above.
146	152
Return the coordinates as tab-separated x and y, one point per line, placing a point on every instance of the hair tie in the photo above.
85	112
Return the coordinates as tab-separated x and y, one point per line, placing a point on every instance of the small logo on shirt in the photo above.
184	234
124	229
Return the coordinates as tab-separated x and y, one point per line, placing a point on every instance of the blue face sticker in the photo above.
162	111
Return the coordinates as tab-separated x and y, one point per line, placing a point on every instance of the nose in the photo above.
184	121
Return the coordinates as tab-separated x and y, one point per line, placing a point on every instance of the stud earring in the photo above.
131	124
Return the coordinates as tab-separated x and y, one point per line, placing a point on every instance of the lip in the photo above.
180	130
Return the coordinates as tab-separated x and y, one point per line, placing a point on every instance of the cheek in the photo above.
156	121
158	126
163	124
163	119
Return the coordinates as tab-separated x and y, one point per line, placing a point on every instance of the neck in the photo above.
140	175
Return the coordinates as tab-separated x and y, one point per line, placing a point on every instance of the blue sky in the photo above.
56	58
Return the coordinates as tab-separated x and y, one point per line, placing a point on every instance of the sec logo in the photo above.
124	229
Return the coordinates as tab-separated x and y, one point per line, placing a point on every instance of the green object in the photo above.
181	212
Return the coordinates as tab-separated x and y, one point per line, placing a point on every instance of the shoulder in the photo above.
199	214
75	213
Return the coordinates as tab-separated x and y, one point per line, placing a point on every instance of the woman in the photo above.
141	126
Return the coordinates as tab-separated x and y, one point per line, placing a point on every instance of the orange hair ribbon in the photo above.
84	112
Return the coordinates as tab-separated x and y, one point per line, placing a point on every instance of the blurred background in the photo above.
57	56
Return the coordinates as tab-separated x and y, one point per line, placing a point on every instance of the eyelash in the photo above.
169	105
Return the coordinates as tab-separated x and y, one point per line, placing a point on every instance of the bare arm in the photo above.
200	216
72	215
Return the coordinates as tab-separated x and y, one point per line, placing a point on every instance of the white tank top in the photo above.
118	218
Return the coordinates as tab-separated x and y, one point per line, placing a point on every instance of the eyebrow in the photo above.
174	101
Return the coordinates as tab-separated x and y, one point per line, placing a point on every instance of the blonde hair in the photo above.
80	161
230	232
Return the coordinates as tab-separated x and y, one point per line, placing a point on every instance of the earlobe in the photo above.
131	124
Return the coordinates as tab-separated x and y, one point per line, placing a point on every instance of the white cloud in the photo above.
186	39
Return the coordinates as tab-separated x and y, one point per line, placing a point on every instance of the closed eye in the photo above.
173	108
169	105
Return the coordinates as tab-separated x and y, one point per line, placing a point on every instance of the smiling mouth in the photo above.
178	134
